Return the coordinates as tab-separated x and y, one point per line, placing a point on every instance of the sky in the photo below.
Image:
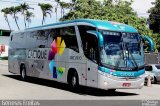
140	6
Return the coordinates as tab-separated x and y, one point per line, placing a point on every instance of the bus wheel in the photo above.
73	80
23	72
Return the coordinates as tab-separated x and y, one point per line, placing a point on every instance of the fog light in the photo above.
105	83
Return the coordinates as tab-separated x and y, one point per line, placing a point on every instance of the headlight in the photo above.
105	83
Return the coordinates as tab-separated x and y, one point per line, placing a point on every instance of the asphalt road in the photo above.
11	87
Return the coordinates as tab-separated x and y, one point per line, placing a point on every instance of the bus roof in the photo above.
100	24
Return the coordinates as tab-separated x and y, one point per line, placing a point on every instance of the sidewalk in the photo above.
3	62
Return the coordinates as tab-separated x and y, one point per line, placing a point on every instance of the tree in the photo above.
14	11
28	17
6	12
56	8
46	9
63	6
73	3
24	8
119	11
154	17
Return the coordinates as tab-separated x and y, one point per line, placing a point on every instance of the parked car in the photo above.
149	73
154	71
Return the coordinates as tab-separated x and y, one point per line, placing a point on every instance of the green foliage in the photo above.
46	10
119	11
4	58
28	16
6	12
111	10
24	10
154	20
13	11
154	17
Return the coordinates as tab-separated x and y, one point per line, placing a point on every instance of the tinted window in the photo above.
89	43
91	47
38	38
69	36
83	33
148	68
157	66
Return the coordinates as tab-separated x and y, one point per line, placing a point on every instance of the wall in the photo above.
4	40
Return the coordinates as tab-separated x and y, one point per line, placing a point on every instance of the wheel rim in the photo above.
23	74
74	81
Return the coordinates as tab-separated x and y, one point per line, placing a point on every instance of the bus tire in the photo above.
23	72
73	80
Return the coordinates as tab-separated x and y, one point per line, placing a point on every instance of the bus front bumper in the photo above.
105	82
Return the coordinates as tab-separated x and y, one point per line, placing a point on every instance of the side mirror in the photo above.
150	41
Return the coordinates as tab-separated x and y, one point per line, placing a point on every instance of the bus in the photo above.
87	52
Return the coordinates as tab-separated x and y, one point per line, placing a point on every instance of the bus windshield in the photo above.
121	50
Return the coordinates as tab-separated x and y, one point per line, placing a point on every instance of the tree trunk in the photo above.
43	19
61	12
28	24
56	11
6	18
24	19
16	22
56	14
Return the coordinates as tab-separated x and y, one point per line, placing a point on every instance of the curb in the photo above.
3	64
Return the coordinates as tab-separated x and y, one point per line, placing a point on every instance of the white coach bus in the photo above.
94	53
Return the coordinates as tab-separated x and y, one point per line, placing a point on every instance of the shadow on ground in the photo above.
81	91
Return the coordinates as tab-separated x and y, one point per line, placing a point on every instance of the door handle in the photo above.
88	69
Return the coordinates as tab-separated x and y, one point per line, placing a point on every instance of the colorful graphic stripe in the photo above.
58	47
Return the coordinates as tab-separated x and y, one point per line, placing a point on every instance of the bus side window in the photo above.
92	47
69	36
51	37
89	43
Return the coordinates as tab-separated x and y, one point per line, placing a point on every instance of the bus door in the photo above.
92	74
91	53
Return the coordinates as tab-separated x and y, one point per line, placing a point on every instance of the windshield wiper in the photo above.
126	58
121	56
129	53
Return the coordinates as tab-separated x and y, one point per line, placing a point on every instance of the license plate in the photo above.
126	84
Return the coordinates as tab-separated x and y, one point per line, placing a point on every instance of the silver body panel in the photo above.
87	70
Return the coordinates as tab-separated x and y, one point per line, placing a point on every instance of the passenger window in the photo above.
91	47
89	43
69	36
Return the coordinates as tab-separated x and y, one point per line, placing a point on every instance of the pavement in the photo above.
11	87
3	62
